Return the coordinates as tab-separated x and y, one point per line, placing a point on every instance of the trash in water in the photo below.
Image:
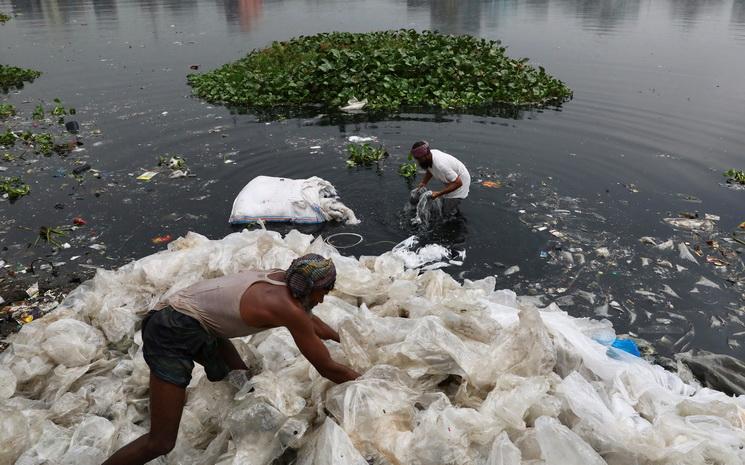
691	224
685	253
147	175
360	139
491	184
178	174
603	252
667	245
164	239
511	270
627	345
715	261
73	127
428	257
81	169
33	291
707	282
78	221
354	105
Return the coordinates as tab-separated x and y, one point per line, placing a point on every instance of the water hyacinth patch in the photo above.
12	77
364	154
14	187
8	138
735	176
7	110
4	17
389	69
408	169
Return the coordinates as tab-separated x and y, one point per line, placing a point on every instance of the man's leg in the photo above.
450	207
166	405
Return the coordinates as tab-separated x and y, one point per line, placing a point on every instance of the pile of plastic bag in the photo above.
453	374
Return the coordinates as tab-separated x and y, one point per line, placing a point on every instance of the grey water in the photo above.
658	114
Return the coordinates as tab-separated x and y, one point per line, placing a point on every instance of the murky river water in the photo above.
658	114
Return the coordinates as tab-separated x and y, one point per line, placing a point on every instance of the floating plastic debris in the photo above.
147	175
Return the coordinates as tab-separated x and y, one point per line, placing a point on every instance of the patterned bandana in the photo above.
421	151
308	273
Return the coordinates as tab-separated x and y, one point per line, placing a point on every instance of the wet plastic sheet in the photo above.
453	374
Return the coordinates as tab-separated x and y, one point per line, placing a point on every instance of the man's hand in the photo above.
426	179
436	194
310	345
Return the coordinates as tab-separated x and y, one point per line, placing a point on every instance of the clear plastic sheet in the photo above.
453	374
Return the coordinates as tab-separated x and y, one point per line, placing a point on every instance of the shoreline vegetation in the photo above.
386	70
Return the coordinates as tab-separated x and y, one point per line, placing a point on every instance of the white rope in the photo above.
358	236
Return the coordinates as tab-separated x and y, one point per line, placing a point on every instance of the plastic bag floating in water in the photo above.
428	257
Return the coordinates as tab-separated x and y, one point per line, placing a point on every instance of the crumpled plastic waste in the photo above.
453	373
354	105
428	257
427	210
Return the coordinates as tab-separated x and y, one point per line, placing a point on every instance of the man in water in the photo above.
446	169
194	325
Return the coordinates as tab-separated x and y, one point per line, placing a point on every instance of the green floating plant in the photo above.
7	110
408	169
12	77
364	154
735	176
14	187
387	69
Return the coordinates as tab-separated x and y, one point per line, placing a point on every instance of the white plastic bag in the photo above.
71	342
7	383
13	434
331	446
559	445
270	199
503	452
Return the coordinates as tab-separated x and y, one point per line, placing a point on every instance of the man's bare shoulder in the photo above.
282	306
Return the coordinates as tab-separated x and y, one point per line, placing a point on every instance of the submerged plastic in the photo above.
453	373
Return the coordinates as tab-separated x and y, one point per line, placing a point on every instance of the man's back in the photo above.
446	168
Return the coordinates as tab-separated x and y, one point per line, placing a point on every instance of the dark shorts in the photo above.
172	342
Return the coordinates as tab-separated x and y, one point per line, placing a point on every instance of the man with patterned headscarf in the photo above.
196	323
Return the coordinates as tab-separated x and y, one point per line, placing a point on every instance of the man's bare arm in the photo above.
310	345
427	178
323	330
455	185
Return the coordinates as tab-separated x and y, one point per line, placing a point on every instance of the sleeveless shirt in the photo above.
216	303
